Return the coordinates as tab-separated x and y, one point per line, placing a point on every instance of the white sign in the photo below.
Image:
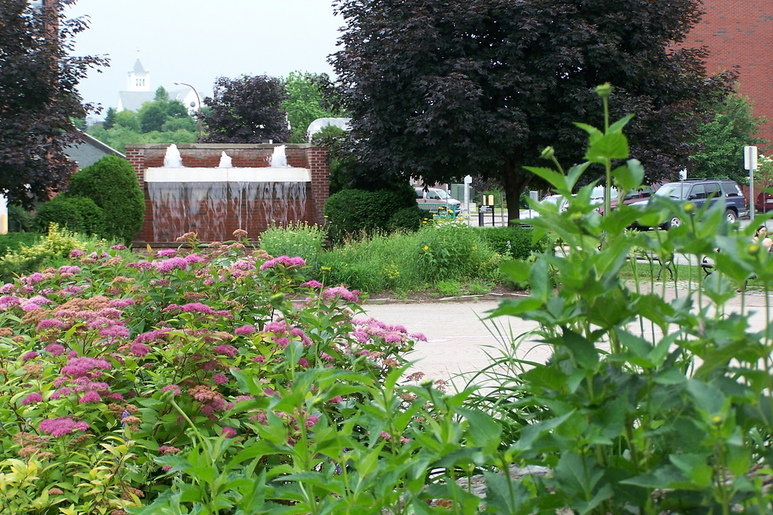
750	157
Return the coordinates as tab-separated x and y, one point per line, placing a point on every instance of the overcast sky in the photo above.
196	41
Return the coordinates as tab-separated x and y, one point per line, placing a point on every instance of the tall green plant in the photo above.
650	403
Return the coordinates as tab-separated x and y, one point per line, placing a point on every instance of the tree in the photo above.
446	88
306	102
109	118
246	110
721	140
38	98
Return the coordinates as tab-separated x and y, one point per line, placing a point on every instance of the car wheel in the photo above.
674	222
730	216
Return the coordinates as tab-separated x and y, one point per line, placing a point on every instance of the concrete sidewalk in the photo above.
459	341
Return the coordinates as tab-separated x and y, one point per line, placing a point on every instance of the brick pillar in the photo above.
136	156
320	182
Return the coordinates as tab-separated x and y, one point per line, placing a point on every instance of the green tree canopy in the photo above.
38	97
306	101
445	88
721	140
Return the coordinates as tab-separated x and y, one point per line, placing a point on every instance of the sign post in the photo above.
750	163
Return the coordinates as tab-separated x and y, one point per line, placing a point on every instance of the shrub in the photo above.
57	244
514	242
15	240
112	184
79	214
300	239
451	251
353	211
19	219
408	219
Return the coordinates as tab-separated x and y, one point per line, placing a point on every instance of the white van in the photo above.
437	200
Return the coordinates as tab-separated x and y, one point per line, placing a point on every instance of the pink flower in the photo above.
32	398
34	278
139	349
303	362
69	269
170	264
311	420
80	367
194	258
220	378
168	449
226	350
115	331
121	303
228	432
245	329
76	253
279	326
419	336
54	349
52	323
118	247
173	389
259	359
90	397
341	292
61	426
29	355
166	252
312	284
283	260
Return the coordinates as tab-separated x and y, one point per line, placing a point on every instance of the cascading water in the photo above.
206	200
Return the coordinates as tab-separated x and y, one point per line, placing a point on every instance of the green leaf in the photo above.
620	124
608	147
516	270
516	307
583	350
628	176
552	177
708	398
484	431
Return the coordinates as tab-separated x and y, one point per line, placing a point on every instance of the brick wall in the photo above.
740	33
216	221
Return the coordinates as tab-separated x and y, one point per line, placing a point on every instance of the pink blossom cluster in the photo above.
61	426
31	398
85	367
166	252
198	307
168	265
367	329
283	260
341	292
154	336
282	333
69	269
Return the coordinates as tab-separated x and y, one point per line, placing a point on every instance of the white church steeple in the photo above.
139	78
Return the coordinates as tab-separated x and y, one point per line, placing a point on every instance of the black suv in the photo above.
699	191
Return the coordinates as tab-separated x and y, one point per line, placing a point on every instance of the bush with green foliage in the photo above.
78	214
408	219
112	184
352	211
56	245
514	242
19	219
14	240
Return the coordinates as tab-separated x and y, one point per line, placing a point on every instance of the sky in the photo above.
196	41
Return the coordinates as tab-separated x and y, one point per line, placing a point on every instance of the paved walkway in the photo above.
460	341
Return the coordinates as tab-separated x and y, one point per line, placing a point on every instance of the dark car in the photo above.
700	191
764	202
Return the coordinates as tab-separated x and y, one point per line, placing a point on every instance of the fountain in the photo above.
214	201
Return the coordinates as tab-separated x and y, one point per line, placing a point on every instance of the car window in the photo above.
712	190
698	191
673	190
731	189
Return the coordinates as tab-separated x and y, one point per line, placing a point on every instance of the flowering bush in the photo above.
113	368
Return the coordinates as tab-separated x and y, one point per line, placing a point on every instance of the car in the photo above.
764	202
437	200
632	197
558	200
700	191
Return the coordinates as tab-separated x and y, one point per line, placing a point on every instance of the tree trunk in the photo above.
514	182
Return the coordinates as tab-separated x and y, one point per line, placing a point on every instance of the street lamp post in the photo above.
198	107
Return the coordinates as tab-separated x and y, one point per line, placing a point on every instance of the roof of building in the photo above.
138	68
89	150
133	100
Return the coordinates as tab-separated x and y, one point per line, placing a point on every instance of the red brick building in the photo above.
740	33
